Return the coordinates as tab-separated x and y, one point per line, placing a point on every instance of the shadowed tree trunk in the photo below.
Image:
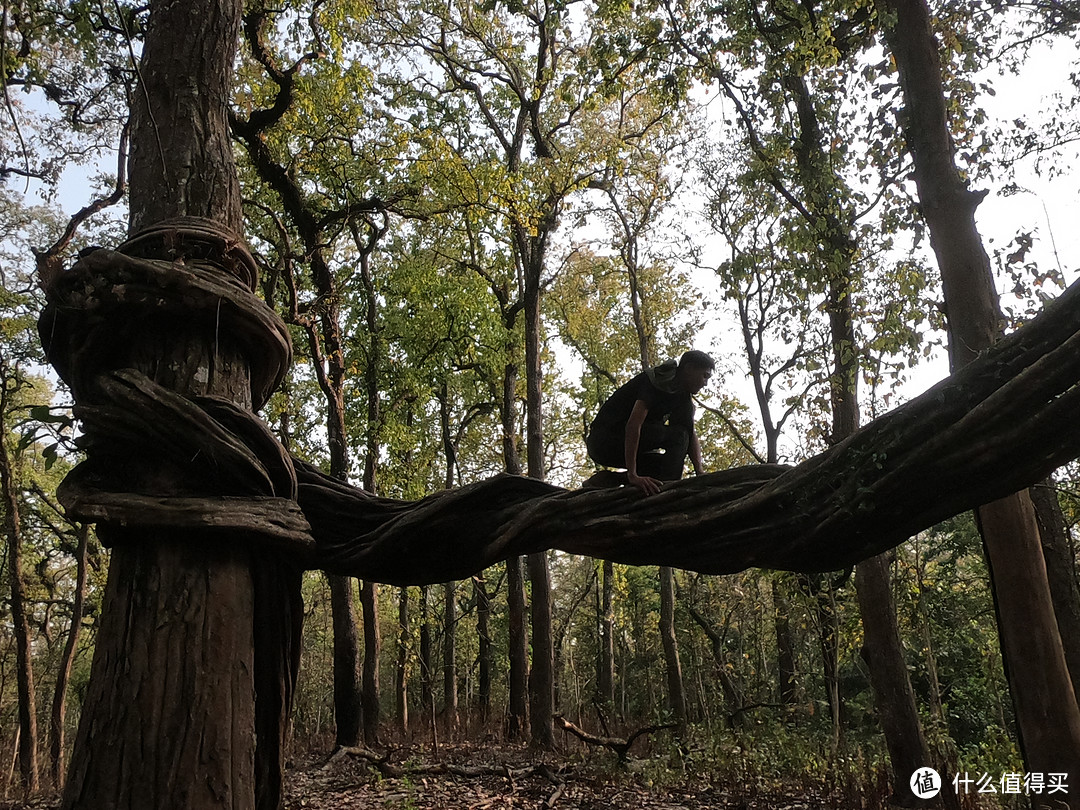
348	708
369	676
1061	573
785	644
1046	706
672	665
483	656
605	679
518	712
401	672
63	675
517	708
542	672
450	693
426	693
192	628
12	527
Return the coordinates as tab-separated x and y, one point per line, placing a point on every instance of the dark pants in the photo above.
607	446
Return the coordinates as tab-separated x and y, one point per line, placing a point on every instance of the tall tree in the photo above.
220	620
1046	706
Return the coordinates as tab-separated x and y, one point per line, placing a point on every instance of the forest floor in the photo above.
493	777
472	777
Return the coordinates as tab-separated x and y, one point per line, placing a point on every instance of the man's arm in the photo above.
650	486
695	453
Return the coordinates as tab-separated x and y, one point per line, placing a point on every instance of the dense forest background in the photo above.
464	210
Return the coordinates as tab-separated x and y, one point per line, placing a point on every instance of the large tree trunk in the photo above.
24	670
192	628
542	674
1060	573
67	658
893	694
1043	696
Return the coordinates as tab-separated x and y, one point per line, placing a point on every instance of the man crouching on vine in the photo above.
647	425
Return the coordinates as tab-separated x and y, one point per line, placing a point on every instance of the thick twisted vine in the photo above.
1002	423
155	458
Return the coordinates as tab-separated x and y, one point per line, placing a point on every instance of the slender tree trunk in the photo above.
426	696
348	708
369	597
606	676
673	669
542	674
450	692
785	644
517	721
369	691
829	641
483	633
63	675
1042	692
517	718
893	694
24	670
401	694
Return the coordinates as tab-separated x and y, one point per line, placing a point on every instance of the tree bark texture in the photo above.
1046	707
195	662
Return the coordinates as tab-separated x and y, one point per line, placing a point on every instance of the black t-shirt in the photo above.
675	408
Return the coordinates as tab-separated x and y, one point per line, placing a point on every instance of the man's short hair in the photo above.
697	359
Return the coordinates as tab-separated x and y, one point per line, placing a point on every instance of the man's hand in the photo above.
649	486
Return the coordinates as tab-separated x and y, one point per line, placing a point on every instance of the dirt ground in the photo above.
470	777
526	781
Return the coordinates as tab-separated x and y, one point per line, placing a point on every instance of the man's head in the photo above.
695	369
